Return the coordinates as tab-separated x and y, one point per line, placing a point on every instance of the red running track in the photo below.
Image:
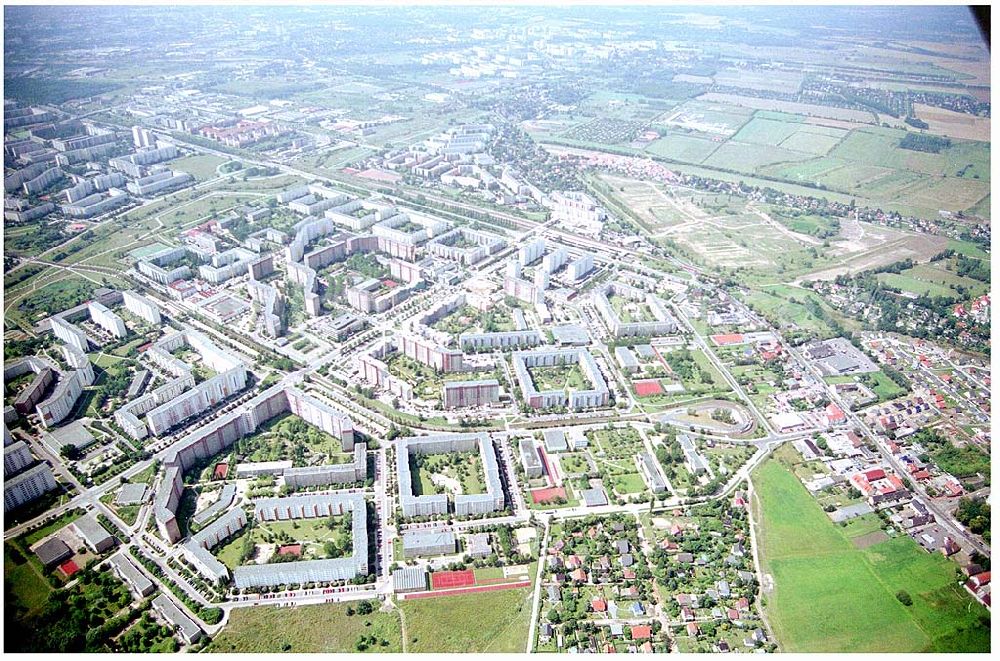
452	579
456	591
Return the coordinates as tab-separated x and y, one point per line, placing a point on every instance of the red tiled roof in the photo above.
641	632
731	338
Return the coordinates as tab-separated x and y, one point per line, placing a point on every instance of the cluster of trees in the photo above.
723	415
970	267
147	636
77	619
974	514
683	364
924	142
964	462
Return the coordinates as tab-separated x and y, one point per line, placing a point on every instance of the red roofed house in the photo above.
980	579
578	575
642	632
834	415
290	549
647	647
874	474
723	340
953	488
693	629
598	605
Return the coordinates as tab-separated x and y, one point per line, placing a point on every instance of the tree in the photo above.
70	451
904	598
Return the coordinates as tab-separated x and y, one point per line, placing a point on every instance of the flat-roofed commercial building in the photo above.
424	543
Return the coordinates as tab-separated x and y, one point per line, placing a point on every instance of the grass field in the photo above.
201	166
467	473
559	377
628	483
883	386
29	588
833	597
934	280
316	628
501	621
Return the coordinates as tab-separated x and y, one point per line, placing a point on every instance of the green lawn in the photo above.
54	525
442	624
316	628
830	596
560	377
574	463
884	387
628	483
467	471
29	588
200	166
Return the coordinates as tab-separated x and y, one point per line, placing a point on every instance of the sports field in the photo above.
493	621
831	596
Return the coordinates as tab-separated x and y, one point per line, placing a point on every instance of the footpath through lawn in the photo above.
830	596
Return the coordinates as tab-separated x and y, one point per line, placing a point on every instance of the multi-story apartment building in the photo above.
464	504
221	434
597	395
27	486
500	340
106	319
662	321
461	394
142	307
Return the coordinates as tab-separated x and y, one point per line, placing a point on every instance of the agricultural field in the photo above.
306	629
678	146
843	114
441	624
709	118
816	568
777	139
771	80
953	124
